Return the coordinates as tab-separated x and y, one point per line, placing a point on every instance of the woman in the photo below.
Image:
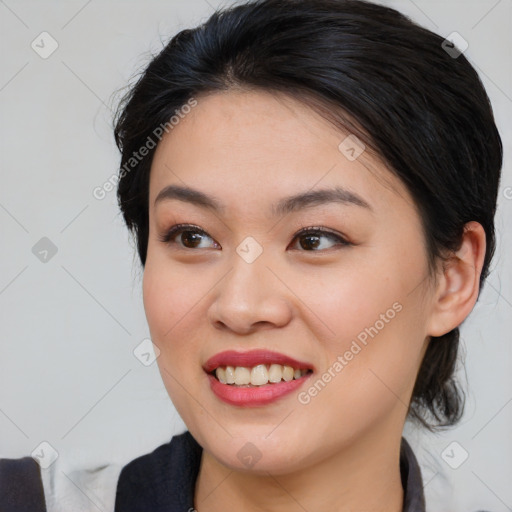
312	185
331	127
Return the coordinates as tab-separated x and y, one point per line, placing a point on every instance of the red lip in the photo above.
252	358
257	396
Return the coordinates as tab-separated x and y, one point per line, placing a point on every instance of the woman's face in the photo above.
351	305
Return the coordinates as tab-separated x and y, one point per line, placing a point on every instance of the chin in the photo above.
263	463
254	451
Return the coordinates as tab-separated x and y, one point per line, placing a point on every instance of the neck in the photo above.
362	476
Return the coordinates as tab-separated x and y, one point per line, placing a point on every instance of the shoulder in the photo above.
69	483
21	486
166	475
412	481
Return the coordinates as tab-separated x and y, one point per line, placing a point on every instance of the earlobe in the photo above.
459	284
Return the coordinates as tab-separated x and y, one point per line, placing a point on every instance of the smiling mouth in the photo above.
259	375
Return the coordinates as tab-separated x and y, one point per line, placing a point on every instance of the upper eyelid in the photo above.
177	229
183	227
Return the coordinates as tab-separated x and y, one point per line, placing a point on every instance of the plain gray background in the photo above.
70	324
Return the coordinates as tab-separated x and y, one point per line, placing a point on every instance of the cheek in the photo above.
352	298
157	303
377	328
377	291
173	302
365	381
168	307
165	303
169	295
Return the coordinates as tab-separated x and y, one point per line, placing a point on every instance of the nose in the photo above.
250	297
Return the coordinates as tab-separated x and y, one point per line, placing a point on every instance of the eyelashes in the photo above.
178	229
314	233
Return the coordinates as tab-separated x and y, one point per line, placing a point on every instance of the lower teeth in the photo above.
250	385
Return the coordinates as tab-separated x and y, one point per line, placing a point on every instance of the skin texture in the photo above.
340	451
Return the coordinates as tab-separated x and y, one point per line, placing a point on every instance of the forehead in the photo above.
251	147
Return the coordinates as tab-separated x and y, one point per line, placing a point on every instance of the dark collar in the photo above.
412	482
21	487
164	480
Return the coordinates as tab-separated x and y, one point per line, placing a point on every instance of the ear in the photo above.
459	284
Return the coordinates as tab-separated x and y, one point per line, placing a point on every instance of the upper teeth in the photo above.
258	375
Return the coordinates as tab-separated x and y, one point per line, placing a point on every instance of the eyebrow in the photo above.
286	205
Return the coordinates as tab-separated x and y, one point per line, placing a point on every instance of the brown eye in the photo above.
191	236
187	236
311	239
